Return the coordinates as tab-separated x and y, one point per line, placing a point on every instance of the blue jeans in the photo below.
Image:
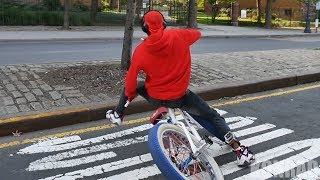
190	102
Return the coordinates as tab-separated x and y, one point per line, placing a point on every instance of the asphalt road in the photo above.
68	51
281	127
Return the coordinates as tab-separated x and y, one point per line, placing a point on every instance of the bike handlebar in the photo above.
127	104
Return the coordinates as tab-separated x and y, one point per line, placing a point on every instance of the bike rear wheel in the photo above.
171	151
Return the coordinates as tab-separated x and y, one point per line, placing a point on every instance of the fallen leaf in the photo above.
17	133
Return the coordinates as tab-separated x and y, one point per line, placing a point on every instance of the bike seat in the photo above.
154	119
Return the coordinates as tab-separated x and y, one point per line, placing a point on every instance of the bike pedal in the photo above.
207	139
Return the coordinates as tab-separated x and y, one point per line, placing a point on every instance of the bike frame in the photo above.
192	130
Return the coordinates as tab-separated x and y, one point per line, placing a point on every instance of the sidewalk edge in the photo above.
88	113
139	37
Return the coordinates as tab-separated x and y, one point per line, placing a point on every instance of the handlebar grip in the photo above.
127	104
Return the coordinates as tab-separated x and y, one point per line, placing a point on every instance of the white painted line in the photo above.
46	147
221	112
96	170
266	136
312	174
55	161
142	173
217	150
57	141
34	166
261	157
62	160
254	129
60	143
50	162
289	163
242	122
130	162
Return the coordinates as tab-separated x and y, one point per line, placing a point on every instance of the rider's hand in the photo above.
131	98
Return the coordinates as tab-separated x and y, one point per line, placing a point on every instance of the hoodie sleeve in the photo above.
131	77
189	35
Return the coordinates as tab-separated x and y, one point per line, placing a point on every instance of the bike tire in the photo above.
163	161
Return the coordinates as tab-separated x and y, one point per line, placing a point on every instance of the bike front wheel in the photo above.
171	151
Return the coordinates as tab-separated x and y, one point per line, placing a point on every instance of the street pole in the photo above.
317	22
317	10
307	29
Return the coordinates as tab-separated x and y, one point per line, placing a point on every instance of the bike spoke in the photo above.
177	148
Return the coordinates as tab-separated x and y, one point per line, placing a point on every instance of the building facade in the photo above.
284	9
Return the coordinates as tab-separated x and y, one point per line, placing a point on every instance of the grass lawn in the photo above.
205	19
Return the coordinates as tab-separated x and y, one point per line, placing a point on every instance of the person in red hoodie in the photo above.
164	57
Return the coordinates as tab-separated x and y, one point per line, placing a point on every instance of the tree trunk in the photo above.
139	8
215	10
128	35
119	6
111	4
268	18
93	12
234	13
259	12
66	17
192	15
150	4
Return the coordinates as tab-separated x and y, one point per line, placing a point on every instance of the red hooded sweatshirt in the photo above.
165	58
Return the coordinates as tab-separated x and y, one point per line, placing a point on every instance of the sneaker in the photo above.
244	156
114	117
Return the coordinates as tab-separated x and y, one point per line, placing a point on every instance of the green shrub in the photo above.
224	12
52	5
78	5
105	5
80	19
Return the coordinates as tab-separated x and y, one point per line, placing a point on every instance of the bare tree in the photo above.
139	8
192	14
268	23
235	13
215	8
93	12
111	4
128	35
66	16
259	12
119	5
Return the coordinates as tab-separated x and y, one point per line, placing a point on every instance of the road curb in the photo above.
139	37
91	112
261	36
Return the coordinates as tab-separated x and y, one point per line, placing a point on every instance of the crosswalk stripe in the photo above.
311	174
100	169
216	150
55	161
35	166
75	141
136	174
62	160
250	141
289	163
41	148
260	157
254	129
242	122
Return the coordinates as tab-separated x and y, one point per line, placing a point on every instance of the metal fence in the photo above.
50	12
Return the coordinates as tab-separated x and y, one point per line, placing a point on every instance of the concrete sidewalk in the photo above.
18	33
28	101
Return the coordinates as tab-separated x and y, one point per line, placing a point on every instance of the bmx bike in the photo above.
177	148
